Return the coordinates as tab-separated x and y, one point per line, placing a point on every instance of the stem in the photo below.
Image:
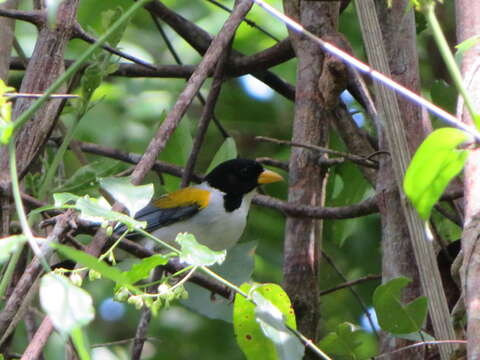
19	205
25	116
79	342
450	60
7	276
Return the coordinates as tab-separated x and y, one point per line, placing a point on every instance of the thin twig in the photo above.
83	35
273	162
207	114
350	283
200	40
352	61
352	157
36	96
179	61
423	343
36	17
209	60
354	292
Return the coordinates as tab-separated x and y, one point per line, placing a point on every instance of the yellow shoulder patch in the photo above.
184	197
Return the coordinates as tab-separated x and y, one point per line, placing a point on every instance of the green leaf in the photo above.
61	199
131	196
392	315
196	254
142	269
93	263
68	306
90	81
444	95
227	151
272	309
10	244
98	210
108	18
436	162
344	341
465	46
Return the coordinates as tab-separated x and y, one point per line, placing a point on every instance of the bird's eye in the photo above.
244	172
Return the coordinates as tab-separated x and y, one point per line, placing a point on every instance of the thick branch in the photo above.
199	39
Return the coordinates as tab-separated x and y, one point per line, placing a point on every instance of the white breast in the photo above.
212	226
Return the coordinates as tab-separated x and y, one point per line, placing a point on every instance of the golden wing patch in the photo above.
184	197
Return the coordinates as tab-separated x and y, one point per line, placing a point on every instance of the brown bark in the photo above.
467	13
306	176
398	30
44	67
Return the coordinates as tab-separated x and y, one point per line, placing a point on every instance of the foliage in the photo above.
121	113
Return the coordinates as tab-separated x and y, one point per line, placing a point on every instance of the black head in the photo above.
240	176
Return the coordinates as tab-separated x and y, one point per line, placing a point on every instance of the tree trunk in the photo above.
468	13
306	176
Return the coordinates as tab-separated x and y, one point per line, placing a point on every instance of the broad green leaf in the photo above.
9	245
436	162
98	210
93	263
142	269
227	151
395	317
344	341
272	309
131	196
177	151
68	306
194	253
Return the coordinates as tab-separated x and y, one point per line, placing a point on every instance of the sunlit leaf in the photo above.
98	210
10	244
68	306
131	196
194	253
395	317
60	199
260	328
436	162
227	151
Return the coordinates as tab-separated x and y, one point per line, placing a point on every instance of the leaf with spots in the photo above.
247	317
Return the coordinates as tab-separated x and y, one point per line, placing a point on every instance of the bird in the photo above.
214	211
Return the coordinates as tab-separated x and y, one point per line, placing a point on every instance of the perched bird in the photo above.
215	211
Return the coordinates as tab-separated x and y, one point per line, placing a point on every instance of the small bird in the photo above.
215	211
